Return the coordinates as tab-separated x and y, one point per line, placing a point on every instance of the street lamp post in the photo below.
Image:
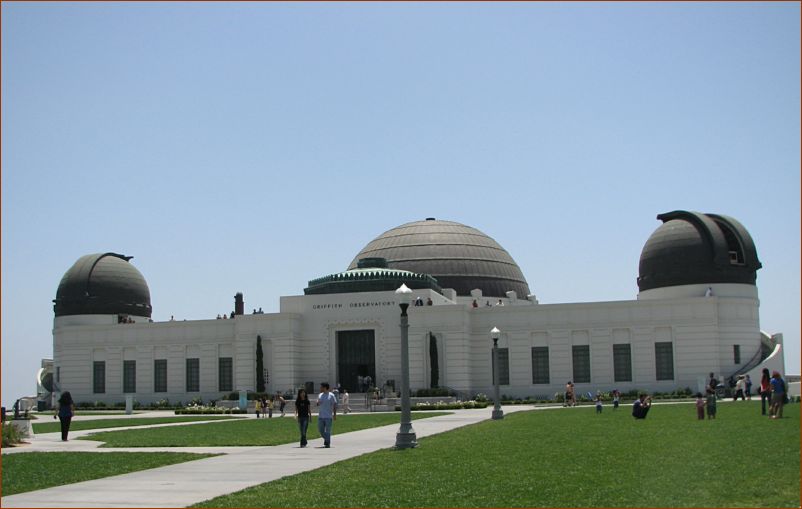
405	438
497	412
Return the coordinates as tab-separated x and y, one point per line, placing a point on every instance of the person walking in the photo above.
748	382
778	392
346	400
280	401
765	391
66	409
740	388
326	414
303	413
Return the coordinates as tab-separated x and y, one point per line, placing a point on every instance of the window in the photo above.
225	374
193	375
99	377
664	360
736	354
540	365
160	375
503	365
129	376
58	374
581	360
622	362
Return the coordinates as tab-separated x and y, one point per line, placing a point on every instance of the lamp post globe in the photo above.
405	438
497	412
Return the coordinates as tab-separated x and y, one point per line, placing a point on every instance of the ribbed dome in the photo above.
458	256
693	248
103	284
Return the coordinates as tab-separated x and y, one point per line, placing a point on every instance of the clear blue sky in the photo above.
255	146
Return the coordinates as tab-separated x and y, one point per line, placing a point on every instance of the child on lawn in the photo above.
711	404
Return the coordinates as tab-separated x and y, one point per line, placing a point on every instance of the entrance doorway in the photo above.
356	357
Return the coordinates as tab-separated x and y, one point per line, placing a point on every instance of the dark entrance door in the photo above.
356	356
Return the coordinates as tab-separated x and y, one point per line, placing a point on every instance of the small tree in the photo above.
260	366
433	359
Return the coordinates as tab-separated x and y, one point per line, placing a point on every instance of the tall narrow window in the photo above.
622	362
503	364
664	360
129	376
160	375
193	375
581	362
225	374
58	374
540	365
99	377
736	354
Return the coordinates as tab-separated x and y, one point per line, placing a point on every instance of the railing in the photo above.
756	359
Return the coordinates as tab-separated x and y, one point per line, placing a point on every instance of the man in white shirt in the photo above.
327	413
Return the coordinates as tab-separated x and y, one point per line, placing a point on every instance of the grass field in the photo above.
242	432
54	426
38	470
567	458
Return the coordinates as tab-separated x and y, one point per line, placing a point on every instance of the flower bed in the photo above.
209	411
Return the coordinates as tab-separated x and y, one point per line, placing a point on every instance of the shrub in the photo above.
11	435
434	391
481	397
447	406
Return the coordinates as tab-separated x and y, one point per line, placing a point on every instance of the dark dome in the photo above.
693	248
458	256
103	284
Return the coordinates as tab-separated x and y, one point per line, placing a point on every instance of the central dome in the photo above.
458	256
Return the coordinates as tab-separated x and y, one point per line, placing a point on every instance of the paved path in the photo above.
188	483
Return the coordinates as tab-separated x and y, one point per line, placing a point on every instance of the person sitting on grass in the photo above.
641	406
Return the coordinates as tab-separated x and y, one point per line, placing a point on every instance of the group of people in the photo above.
419	301
265	405
225	316
475	303
260	312
708	401
774	390
364	382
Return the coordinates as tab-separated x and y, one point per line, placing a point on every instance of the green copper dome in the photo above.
371	275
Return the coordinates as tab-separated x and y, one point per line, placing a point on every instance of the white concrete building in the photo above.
697	312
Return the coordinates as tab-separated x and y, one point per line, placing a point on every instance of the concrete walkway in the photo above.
188	483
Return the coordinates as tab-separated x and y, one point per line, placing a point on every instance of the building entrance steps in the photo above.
238	468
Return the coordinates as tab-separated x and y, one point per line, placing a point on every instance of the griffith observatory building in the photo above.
696	312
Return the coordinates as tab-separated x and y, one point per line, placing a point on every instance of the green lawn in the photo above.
242	432
55	425
38	470
567	458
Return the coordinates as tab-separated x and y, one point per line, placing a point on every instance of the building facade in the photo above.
697	311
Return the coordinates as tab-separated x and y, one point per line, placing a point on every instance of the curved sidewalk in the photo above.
238	468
